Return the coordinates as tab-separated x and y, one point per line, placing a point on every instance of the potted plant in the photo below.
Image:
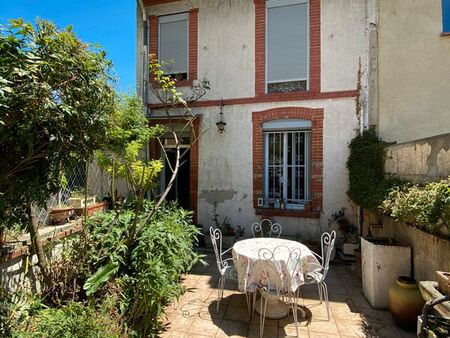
348	232
240	232
61	214
228	233
78	200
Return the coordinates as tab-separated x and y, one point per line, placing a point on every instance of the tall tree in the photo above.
55	107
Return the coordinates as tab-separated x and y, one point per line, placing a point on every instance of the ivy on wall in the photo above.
367	185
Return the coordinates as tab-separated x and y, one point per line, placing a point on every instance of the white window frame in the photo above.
281	3
174	17
286	128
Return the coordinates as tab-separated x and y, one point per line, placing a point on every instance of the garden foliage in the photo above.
425	206
128	300
55	107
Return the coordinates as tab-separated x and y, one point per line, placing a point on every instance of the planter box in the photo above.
80	202
60	215
429	291
383	260
443	279
92	209
349	248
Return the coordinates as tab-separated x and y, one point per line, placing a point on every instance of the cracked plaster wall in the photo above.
420	161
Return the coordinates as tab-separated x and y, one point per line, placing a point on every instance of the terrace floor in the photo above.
195	314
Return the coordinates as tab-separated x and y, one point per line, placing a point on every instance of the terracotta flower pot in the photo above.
405	302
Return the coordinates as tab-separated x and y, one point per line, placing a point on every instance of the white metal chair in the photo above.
226	269
274	230
276	284
327	241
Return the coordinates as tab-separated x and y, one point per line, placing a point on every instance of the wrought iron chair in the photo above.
276	284
227	271
327	241
258	229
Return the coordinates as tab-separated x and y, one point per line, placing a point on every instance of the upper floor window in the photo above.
287	41
446	16
173	44
287	154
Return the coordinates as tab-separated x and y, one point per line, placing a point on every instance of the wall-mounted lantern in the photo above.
221	123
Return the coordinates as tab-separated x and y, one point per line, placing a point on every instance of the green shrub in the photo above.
426	207
74	320
149	269
367	186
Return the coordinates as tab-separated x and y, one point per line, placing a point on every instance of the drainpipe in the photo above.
369	113
144	84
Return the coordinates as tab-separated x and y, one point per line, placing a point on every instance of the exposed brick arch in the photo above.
316	118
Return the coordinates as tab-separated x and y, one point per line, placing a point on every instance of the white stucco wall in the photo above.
343	42
414	70
225	163
226	53
226	44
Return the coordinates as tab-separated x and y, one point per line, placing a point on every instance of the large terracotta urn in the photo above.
405	302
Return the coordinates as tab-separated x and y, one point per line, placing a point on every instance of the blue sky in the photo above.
111	23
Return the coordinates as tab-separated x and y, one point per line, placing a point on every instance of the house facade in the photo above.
284	73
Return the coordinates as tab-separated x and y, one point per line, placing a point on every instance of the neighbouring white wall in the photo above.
414	70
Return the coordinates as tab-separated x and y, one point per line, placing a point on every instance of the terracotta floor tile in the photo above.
323	326
320	335
179	323
238	300
289	330
269	331
194	315
351	328
230	328
201	326
373	315
345	312
172	334
384	330
235	313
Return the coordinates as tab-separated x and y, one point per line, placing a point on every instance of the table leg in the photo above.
276	309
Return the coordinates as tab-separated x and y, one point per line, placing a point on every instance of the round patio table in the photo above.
250	268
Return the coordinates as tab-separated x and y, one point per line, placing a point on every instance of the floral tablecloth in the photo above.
252	270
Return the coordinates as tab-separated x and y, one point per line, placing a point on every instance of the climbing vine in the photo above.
367	185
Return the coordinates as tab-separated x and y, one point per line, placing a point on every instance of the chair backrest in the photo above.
274	229
216	240
327	241
279	267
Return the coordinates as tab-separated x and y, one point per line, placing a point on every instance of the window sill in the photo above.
178	84
445	34
290	95
287	213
